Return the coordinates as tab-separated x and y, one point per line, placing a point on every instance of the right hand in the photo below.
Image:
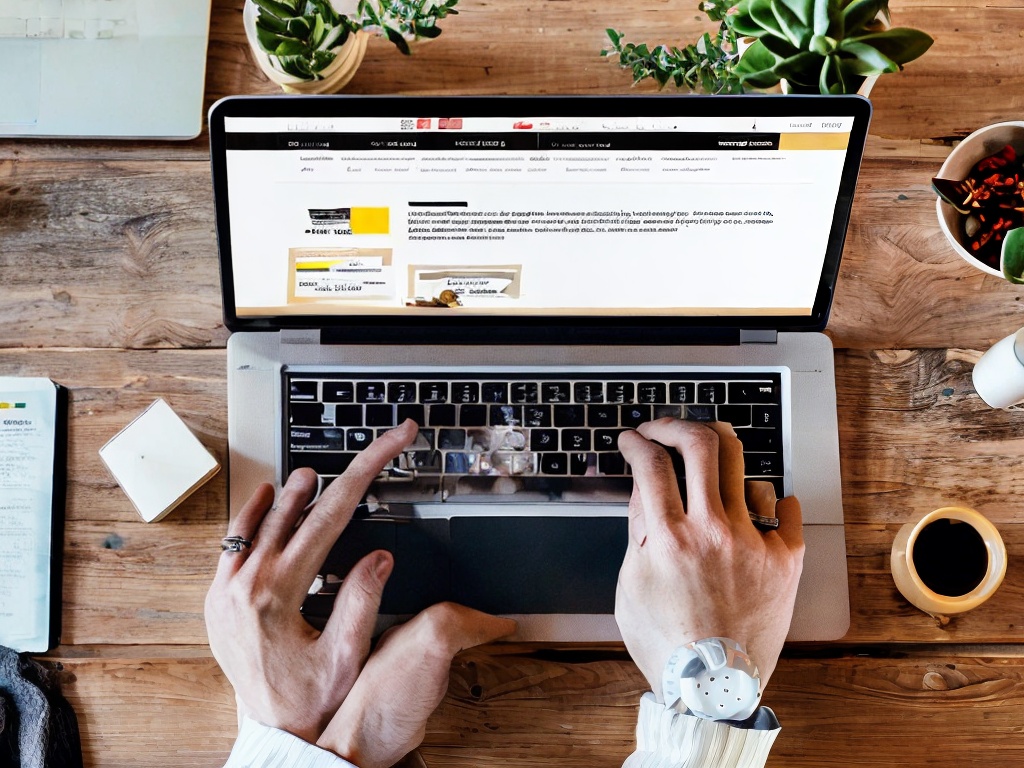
701	569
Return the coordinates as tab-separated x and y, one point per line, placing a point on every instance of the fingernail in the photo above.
381	567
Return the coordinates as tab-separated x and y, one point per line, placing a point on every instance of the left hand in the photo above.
286	674
385	715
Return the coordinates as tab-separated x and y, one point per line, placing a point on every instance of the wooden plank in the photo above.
918	708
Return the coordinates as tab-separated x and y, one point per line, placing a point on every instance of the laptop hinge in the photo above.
300	336
759	336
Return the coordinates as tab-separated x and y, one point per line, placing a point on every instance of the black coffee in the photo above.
950	557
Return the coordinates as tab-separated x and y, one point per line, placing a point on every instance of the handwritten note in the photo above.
28	412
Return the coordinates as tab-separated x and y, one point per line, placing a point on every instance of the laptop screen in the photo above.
462	210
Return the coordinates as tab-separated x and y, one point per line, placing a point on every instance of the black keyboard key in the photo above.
619	392
322	463
451	439
472	415
570	415
307	415
412	411
371	392
682	392
668	411
432	392
494	392
588	392
606	439
650	392
753	392
700	413
760	440
543	439
757	464
712	392
460	463
524	392
611	464
555	392
765	416
357	439
402	392
634	415
505	416
536	415
465	392
602	415
303	390
329	439
380	415
443	415
424	462
348	416
737	415
579	463
339	392
575	439
554	464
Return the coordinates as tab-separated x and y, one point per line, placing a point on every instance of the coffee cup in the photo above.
948	562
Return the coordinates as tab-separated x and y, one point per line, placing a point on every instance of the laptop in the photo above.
526	277
116	68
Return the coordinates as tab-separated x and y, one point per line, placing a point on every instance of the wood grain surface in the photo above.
109	284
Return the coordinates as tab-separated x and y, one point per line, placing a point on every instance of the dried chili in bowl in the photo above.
991	201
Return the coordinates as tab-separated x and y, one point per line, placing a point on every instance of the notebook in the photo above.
103	68
525	277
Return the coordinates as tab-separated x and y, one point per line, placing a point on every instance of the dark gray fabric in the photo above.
38	728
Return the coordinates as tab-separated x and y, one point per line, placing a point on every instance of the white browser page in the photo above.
502	216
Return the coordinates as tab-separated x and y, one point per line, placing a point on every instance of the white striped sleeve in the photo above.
669	739
260	746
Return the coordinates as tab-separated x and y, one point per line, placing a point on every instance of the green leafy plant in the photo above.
302	36
1012	260
815	46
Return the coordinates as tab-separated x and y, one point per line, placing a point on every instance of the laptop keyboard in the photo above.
544	434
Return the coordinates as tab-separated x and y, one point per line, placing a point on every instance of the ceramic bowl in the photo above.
980	144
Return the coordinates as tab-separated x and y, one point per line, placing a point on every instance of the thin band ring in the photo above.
234	544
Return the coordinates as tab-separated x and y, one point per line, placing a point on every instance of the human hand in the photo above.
702	569
385	714
286	674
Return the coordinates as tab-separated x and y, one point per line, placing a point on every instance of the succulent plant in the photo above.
826	46
302	36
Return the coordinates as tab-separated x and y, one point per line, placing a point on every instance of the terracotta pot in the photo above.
332	79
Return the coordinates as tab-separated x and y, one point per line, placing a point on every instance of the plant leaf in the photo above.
858	14
797	33
1012	258
900	44
280	9
800	69
756	67
761	12
866	59
822	16
803	10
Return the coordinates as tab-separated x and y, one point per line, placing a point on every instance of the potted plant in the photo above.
315	46
798	46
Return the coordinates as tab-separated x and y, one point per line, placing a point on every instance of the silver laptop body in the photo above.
305	334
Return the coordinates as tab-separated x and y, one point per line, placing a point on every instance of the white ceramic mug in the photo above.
999	375
913	588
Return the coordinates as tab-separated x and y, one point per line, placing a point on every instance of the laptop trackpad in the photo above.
537	564
505	565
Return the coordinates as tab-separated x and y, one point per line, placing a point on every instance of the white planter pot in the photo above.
332	79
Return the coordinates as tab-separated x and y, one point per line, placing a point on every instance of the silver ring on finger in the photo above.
234	544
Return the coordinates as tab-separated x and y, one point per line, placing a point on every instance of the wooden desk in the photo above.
109	276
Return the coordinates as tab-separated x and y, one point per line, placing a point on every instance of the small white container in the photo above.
999	375
979	145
